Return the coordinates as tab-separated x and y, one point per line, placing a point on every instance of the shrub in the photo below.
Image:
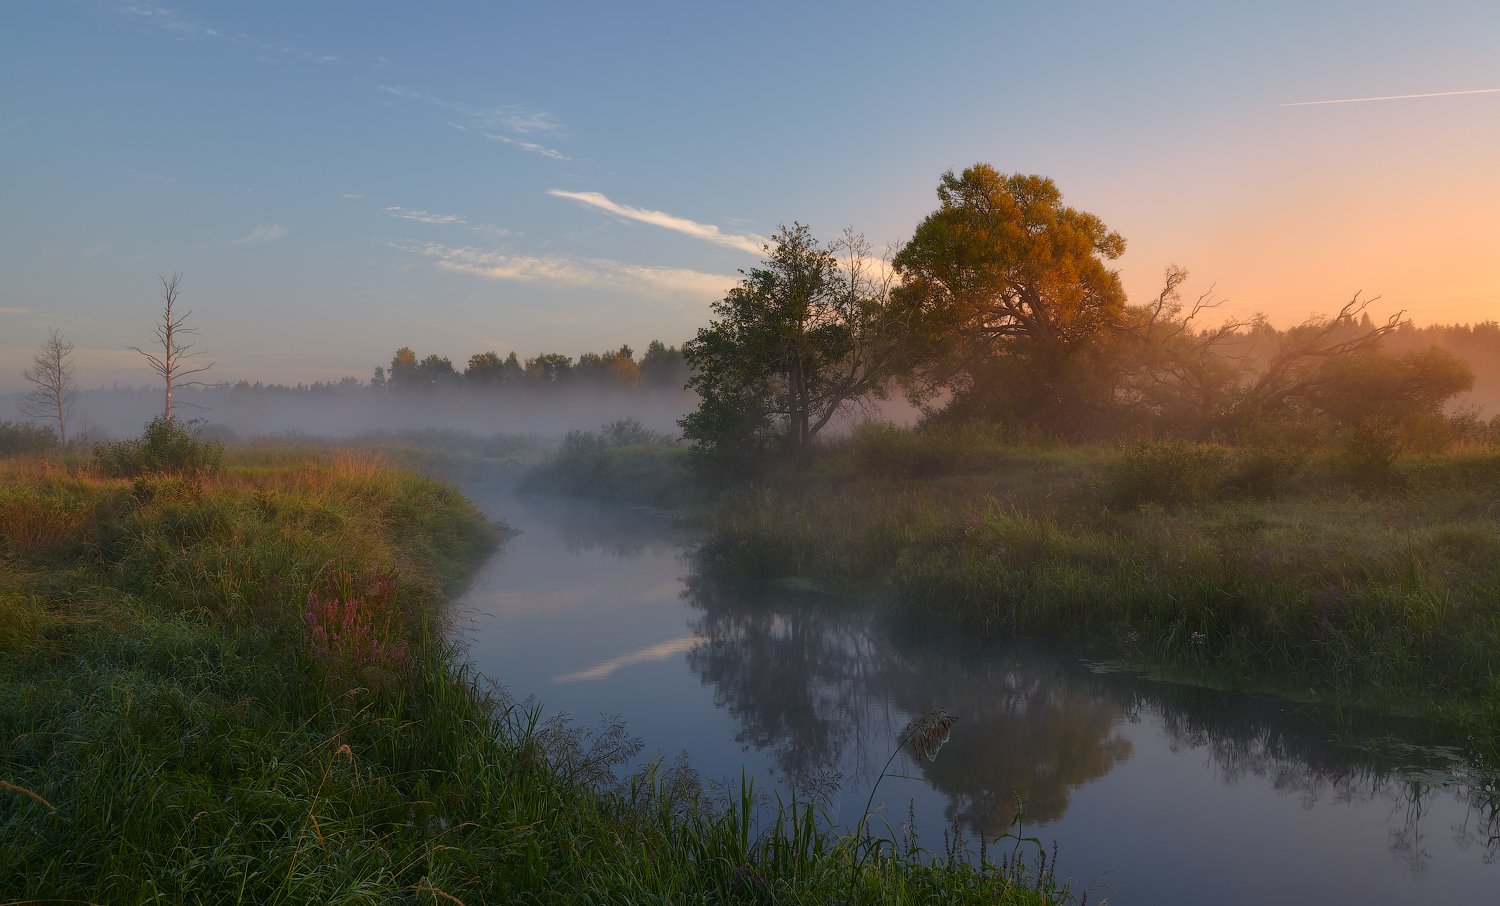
20	439
1166	472
166	446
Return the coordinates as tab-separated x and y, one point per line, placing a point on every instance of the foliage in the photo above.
799	340
1138	552
166	446
1004	269
623	462
20	438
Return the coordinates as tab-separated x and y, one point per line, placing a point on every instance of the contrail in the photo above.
1397	97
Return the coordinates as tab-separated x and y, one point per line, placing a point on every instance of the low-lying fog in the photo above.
117	413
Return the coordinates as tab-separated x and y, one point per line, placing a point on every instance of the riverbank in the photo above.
1315	574
236	687
1349	576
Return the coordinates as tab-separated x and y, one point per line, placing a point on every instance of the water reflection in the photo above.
822	685
600	610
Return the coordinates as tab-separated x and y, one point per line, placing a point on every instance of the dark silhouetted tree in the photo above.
799	340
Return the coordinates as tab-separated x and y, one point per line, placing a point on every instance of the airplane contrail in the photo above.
1396	97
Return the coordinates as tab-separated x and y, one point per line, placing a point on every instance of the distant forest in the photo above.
414	390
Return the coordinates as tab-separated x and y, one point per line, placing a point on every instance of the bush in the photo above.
1166	472
20	439
167	446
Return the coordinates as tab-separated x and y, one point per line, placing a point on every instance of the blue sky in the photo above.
335	180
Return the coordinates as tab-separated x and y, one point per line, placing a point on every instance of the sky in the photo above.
336	180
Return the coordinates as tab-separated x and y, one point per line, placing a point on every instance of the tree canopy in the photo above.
1004	268
802	337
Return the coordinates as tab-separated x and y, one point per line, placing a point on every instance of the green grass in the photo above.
235	688
1298	572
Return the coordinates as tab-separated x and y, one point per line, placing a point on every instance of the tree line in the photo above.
660	368
1003	307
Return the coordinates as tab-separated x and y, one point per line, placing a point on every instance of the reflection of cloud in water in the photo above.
658	652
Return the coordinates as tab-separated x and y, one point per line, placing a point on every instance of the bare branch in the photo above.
170	335
52	393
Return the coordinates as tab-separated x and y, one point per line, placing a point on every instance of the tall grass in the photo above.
1282	569
234	687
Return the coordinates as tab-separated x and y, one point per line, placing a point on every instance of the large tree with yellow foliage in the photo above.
1014	288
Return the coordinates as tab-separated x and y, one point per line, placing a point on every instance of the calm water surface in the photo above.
1155	793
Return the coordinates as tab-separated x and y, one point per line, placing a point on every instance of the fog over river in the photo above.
1155	793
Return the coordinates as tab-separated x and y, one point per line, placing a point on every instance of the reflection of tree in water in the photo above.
1290	746
818	685
1032	730
792	673
815	684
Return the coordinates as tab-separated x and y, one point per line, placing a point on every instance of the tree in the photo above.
1004	269
436	371
52	391
662	367
549	369
175	362
800	339
403	372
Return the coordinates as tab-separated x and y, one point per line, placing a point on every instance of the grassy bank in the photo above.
1322	573
233	687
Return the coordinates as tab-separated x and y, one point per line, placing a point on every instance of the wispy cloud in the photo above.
352	195
501	117
97	250
492	231
266	232
533	147
423	216
1396	97
491	122
169	21
657	652
705	231
183	28
566	271
14	311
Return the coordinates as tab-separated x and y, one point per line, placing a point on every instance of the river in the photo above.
1154	793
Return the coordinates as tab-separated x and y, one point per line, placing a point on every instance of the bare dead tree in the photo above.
51	377
1291	372
175	362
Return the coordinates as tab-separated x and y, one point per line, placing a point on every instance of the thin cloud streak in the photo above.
657	652
1396	97
705	231
169	21
423	216
533	147
266	232
507	117
578	272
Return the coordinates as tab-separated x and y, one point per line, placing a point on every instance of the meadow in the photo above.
232	683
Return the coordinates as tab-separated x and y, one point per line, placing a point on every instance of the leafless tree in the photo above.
175	361
52	391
